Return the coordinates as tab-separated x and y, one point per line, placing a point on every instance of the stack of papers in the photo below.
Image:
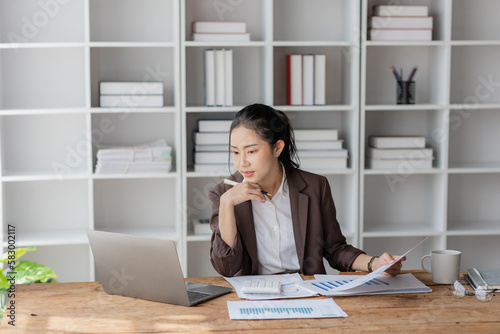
290	287
155	157
352	285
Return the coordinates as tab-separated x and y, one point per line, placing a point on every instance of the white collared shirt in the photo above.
276	249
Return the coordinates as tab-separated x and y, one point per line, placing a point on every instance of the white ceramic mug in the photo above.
445	265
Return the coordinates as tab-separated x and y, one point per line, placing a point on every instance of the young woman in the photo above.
293	227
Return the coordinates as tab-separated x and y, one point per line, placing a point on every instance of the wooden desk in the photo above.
85	307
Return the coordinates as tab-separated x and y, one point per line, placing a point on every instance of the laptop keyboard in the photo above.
196	296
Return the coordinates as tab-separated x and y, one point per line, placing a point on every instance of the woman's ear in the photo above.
278	147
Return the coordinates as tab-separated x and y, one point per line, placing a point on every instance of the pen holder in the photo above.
405	92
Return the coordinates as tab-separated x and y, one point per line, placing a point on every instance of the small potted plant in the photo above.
20	272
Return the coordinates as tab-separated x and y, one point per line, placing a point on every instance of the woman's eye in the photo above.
234	153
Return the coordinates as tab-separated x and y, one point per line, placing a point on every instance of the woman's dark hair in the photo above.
271	125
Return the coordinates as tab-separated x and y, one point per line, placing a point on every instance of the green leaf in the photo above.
31	272
19	252
4	285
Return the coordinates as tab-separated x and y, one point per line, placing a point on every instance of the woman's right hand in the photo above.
242	192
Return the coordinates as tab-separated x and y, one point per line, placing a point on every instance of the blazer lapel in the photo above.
246	227
299	204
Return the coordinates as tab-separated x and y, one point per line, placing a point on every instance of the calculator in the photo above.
260	285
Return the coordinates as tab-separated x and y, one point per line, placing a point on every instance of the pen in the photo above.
412	74
233	183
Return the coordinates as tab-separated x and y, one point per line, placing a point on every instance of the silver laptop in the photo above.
145	268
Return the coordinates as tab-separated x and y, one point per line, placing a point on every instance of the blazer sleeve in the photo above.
338	253
226	260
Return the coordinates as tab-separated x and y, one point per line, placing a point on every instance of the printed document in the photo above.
284	309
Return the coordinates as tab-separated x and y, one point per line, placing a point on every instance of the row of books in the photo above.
394	152
130	94
400	23
220	31
155	157
306	79
316	148
219	77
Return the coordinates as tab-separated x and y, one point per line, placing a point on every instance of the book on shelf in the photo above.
305	79
211	138
130	88
130	101
212	157
405	164
209	77
400	22
319	144
316	163
214	125
219	27
490	277
342	153
228	77
400	10
400	34
201	226
397	141
210	148
399	153
308	80
315	134
319	79
155	157
294	79
223	37
218	77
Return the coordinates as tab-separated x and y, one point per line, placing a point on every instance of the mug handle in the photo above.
422	262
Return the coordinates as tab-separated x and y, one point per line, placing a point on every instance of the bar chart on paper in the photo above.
284	309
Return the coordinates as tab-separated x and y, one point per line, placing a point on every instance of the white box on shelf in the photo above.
130	101
400	10
206	37
315	134
219	26
214	125
130	88
400	22
294	79
404	164
319	79
397	141
400	34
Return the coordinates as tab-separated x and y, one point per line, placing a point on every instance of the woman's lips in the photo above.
247	174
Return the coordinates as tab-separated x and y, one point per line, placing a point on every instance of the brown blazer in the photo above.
316	229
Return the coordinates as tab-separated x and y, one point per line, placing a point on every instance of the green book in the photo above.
490	276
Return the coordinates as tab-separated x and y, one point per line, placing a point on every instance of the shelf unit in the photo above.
277	28
456	110
53	58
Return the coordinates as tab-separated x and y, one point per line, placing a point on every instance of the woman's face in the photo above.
253	157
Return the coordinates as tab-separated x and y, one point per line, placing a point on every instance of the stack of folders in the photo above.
130	94
306	79
398	152
400	23
211	146
219	77
155	157
220	31
320	149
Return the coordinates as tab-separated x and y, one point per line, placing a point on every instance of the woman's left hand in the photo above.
387	258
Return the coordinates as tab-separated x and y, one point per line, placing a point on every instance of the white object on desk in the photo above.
261	286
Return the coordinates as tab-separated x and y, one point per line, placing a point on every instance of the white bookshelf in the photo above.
277	28
50	117
452	202
51	125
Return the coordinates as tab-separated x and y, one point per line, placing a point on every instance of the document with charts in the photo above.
384	284
366	282
284	309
